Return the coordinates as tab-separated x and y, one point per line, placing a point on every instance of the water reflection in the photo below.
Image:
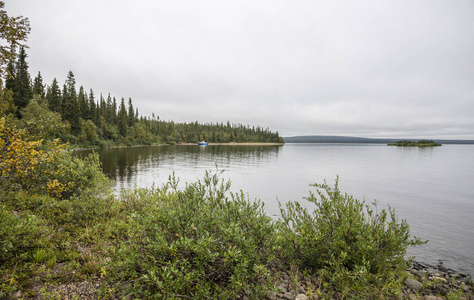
430	188
124	164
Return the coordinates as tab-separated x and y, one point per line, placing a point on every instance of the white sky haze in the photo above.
379	68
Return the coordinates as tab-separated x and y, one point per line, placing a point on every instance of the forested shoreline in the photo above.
83	119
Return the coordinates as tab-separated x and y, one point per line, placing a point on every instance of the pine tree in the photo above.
22	92
53	96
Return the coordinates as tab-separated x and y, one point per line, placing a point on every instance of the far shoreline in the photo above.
234	144
181	144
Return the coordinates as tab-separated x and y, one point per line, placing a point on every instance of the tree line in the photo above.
83	118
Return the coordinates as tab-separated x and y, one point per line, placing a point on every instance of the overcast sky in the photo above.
401	68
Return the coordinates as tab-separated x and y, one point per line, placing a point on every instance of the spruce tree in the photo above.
92	107
83	104
38	86
22	92
53	96
102	108
122	118
71	111
64	102
109	109
114	112
131	114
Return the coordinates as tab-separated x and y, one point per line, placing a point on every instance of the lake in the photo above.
432	188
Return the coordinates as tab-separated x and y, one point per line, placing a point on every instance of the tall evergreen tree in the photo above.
92	107
122	118
22	92
131	113
102	107
71	111
83	104
38	86
53	96
113	113
109	108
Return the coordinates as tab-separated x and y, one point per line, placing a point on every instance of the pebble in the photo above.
439	279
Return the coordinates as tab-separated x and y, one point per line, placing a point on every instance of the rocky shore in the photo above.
423	282
433	282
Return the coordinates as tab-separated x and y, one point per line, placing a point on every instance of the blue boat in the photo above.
203	143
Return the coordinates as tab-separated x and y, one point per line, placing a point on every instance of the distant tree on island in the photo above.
420	143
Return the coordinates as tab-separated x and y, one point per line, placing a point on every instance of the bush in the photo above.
197	243
69	175
38	167
89	209
353	242
18	234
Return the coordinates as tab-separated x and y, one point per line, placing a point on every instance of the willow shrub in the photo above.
18	235
355	244
195	243
37	166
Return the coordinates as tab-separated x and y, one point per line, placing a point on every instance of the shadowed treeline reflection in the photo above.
123	164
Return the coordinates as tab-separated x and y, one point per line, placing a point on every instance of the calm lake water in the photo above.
432	188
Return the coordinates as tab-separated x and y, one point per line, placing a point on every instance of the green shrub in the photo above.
354	243
89	208
69	175
197	243
39	167
18	234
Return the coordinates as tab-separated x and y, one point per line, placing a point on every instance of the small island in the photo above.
420	143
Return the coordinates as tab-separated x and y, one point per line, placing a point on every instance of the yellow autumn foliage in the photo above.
27	164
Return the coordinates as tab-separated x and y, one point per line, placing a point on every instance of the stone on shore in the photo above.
301	297
430	297
413	284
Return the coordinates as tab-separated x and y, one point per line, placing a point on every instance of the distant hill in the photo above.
351	139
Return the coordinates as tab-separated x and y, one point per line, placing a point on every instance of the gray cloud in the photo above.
365	68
